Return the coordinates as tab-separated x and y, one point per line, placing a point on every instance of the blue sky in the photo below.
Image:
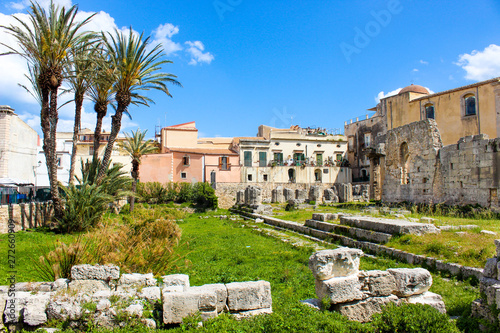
313	63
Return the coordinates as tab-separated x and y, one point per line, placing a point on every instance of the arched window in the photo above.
291	175
470	105
429	111
317	175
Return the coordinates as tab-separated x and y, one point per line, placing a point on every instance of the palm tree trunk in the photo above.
50	154
98	127
116	122
76	130
135	176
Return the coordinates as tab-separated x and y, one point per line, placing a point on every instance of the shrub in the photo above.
185	193
151	193
204	197
411	318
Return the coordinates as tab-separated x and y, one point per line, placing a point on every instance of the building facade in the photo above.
295	155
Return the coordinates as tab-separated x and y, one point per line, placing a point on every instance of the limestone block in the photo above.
101	294
482	310
60	284
339	289
87	287
251	313
432	299
301	195
242	296
253	195
411	281
363	310
103	304
176	280
34	286
277	195
177	306
14	307
485	282
327	264
64	310
491	293
221	292
240	197
97	272
135	310
152	294
314	193
136	279
288	194
497	245
377	283
490	269
34	310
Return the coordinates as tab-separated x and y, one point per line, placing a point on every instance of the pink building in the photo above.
185	158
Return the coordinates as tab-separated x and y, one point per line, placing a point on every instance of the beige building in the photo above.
18	147
294	155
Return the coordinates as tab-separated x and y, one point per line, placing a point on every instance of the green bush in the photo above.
411	318
204	197
184	193
151	193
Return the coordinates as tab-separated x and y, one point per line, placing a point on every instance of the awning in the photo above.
14	182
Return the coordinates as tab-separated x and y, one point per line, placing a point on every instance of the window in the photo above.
470	105
368	138
278	158
59	162
319	159
91	150
339	157
299	158
317	175
429	111
265	178
262	159
185	160
291	175
183	175
249	178
248	159
224	163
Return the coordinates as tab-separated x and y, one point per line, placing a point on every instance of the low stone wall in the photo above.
358	295
370	247
100	295
489	285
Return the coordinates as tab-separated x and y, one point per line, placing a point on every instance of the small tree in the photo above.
135	146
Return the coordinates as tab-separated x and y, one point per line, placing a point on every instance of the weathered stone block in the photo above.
251	313
88	287
411	281
253	195
339	289
490	269
497	245
136	279
301	195
97	272
176	280
377	283
277	195
240	197
491	293
33	312
64	310
363	310
432	299
314	193
243	296
288	194
177	306
327	264
220	291
152	294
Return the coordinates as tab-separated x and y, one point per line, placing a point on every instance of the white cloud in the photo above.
423	62
415	70
163	35
481	65
196	49
23	4
383	95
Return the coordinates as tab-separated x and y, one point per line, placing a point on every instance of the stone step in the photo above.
362	234
389	226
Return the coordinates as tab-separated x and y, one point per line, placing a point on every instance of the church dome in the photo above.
415	89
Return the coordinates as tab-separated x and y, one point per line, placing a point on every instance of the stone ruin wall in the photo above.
227	192
459	174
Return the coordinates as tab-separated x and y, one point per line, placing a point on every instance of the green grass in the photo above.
222	251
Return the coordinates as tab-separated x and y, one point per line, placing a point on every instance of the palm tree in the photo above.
136	147
79	80
101	93
137	69
44	41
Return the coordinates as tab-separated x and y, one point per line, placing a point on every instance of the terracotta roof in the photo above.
203	151
414	88
191	122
